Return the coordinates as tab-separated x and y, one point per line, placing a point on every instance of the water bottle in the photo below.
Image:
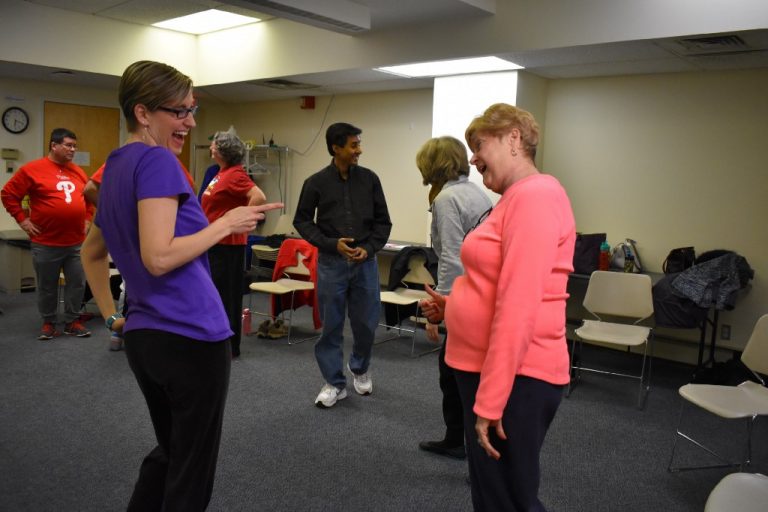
246	321
604	263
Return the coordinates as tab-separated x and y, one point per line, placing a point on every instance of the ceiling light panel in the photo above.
452	67
205	22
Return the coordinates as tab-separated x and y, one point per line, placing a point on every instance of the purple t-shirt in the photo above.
183	301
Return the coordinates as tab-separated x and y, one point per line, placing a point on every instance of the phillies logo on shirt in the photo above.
67	187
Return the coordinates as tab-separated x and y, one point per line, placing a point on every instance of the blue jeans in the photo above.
340	282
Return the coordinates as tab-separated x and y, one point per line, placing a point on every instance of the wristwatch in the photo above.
111	320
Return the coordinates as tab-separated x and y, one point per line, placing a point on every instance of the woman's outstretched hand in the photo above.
433	308
244	218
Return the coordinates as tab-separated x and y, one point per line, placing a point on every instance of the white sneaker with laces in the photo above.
329	395
363	382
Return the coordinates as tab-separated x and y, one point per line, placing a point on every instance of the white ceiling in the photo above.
621	58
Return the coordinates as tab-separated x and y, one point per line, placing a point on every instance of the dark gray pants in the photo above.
49	262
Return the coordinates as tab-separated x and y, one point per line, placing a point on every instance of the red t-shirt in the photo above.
228	189
96	177
56	201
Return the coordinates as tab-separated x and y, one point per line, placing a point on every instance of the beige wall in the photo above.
669	160
394	124
31	96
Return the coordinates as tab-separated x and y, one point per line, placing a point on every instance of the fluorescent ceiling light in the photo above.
205	21
452	67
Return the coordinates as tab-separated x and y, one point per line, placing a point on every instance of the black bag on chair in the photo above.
678	260
586	253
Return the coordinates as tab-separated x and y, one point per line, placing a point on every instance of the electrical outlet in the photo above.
725	332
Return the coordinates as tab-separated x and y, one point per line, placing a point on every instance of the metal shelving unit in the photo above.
268	160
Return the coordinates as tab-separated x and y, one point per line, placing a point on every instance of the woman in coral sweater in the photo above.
506	314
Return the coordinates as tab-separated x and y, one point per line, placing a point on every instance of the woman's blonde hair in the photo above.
441	159
501	118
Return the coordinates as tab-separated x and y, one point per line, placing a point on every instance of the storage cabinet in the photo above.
16	270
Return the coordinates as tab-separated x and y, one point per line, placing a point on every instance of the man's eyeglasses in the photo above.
68	145
480	220
180	113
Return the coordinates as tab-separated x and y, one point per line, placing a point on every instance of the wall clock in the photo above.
15	119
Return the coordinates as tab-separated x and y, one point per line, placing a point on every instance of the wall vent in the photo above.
711	45
284	85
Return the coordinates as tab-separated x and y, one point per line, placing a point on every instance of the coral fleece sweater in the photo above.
506	314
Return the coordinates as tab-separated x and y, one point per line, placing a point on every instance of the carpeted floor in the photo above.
74	429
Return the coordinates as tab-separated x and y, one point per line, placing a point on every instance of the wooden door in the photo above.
97	130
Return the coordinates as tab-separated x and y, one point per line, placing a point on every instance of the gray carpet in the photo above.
74	429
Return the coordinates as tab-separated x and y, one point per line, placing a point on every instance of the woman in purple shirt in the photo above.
176	330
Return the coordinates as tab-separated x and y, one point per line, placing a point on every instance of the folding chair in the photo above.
406	295
745	492
746	401
617	294
288	280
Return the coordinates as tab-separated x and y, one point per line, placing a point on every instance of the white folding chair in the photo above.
617	294
406	296
742	492
284	286
746	401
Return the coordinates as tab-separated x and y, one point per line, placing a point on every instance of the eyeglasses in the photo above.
480	220
68	145
180	113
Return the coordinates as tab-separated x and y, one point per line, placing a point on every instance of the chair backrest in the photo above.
295	249
755	354
619	294
300	268
417	271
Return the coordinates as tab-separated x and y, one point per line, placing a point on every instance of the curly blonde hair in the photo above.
501	118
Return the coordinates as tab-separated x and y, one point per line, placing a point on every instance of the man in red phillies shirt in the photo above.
58	218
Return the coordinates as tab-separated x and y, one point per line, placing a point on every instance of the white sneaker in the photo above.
329	395
363	382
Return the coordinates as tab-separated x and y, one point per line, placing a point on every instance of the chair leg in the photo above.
748	449
725	462
290	325
574	377
413	340
399	327
645	382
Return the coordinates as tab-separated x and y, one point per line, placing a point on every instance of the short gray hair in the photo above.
230	147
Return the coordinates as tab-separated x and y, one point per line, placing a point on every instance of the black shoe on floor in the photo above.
443	448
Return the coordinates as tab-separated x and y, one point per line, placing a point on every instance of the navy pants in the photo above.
184	382
510	484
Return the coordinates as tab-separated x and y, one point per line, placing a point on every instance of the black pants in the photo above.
184	382
453	412
227	263
512	482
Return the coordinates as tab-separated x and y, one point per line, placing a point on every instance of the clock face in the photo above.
15	120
